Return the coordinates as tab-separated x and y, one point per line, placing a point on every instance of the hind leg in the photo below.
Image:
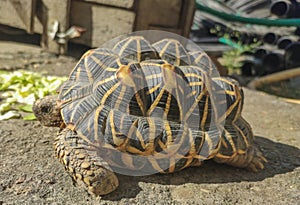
238	149
252	159
83	164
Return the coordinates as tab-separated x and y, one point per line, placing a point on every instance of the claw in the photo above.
258	164
264	159
252	167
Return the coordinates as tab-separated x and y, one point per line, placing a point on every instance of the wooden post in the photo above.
187	17
50	12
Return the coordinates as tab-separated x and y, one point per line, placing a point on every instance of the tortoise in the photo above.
143	108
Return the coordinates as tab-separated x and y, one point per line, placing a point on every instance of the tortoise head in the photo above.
47	111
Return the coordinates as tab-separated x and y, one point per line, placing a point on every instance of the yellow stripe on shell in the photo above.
172	163
155	165
177	54
231	108
141	140
124	47
106	80
194	105
153	89
155	102
169	76
193	75
88	72
230	140
107	94
78	71
127	159
199	57
120	98
191	94
210	145
135	151
139	54
242	133
96	123
111	69
195	83
205	114
239	100
153	76
78	104
165	48
149	148
117	141
140	102
169	133
168	105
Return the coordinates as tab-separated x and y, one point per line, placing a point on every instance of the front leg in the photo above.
83	164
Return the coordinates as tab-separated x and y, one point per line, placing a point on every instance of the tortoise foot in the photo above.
252	159
85	167
257	162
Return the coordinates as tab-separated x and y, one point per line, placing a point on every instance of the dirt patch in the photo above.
30	173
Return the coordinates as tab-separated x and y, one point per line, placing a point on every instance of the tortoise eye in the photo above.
46	109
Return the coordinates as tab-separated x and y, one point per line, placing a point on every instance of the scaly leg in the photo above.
83	164
238	149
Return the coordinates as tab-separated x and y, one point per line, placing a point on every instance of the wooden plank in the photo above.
18	13
158	13
102	23
187	16
117	3
51	11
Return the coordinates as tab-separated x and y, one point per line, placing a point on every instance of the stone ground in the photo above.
30	174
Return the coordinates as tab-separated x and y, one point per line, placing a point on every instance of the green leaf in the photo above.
30	116
5	107
26	108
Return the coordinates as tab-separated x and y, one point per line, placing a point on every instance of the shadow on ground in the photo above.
281	158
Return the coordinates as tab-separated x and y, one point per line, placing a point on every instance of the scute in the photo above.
135	48
202	60
92	64
172	51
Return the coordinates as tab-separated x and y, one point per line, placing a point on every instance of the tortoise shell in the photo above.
153	107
